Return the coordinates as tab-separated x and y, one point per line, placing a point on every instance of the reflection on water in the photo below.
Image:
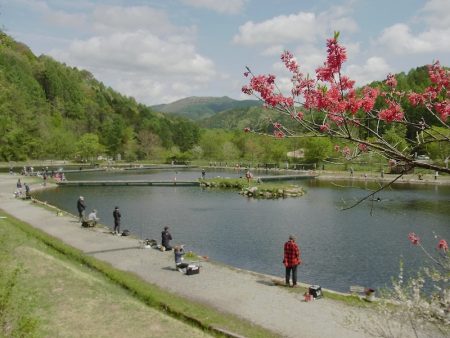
339	248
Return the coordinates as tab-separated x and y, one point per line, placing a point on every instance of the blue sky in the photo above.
161	51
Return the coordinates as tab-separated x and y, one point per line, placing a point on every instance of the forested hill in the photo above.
238	118
197	108
50	110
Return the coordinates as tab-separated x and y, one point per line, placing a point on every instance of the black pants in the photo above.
294	274
117	227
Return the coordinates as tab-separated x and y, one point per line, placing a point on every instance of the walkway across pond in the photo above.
172	182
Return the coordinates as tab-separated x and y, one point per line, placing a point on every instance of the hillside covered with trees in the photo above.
50	110
198	108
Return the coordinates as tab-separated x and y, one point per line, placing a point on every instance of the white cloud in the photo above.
375	68
284	28
437	13
400	40
140	52
428	33
108	19
220	6
273	50
301	27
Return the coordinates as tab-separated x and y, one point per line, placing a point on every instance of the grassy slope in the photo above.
80	296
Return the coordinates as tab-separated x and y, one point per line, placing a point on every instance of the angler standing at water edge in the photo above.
166	237
291	260
81	207
117	216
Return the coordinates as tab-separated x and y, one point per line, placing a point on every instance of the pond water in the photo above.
339	248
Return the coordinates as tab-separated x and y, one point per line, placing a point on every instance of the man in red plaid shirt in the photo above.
291	260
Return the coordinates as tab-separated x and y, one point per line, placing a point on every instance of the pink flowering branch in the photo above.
347	111
441	246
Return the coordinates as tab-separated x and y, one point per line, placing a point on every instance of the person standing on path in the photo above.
291	260
19	187
166	237
117	216
81	207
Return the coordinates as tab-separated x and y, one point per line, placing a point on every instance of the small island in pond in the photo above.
254	188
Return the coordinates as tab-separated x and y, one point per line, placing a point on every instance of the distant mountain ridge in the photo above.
198	108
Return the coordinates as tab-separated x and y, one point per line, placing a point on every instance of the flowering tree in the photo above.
329	105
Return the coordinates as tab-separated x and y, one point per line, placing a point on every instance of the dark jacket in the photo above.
81	206
116	215
165	238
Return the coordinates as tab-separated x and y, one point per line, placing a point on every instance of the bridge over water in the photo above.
175	182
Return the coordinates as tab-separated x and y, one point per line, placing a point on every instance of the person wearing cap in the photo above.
166	237
81	207
117	216
291	260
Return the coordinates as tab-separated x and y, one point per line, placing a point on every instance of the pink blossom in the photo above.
346	83
324	128
279	134
392	113
299	115
246	129
439	76
346	151
277	125
415	99
362	147
391	81
443	108
289	61
370	96
413	238
336	56
442	245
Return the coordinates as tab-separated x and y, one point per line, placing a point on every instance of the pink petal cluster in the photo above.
391	81
413	238
265	86
440	78
443	245
336	56
393	113
290	62
324	128
363	147
279	134
346	151
333	93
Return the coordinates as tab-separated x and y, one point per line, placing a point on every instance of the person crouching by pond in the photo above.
291	260
117	216
92	217
166	237
178	254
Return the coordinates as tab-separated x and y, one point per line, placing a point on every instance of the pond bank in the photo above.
248	295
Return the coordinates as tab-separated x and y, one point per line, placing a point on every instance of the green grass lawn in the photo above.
62	293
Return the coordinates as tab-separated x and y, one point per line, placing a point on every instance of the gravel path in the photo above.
249	295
